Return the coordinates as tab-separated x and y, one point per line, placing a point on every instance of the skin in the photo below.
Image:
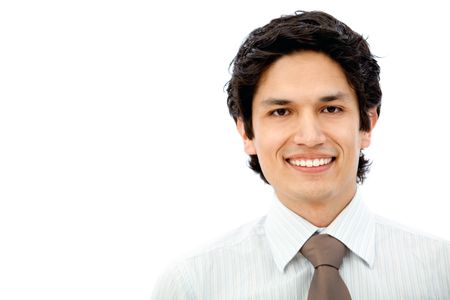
304	109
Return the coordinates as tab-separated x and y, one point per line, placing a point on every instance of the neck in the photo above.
319	212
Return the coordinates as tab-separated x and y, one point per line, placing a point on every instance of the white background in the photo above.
117	154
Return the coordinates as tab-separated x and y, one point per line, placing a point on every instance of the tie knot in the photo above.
323	249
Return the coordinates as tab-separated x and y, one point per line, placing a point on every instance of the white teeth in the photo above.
310	162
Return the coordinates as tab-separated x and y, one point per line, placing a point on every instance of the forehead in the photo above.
306	75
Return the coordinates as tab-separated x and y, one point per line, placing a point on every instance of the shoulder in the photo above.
407	238
182	278
387	226
414	261
243	236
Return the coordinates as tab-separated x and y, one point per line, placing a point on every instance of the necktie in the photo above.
326	254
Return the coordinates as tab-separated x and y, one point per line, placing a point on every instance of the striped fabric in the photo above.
261	260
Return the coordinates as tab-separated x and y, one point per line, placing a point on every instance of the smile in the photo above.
310	163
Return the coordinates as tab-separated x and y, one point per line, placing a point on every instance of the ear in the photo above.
367	135
249	146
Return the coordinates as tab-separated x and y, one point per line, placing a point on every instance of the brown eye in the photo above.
332	109
280	112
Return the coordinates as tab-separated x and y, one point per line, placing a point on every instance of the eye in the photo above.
332	109
280	112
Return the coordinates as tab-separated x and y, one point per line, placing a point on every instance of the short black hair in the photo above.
316	31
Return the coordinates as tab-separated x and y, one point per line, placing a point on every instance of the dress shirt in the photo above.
261	260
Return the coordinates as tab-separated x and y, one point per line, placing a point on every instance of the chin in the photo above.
312	195
317	195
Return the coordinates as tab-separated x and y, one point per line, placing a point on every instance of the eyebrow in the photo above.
328	98
336	96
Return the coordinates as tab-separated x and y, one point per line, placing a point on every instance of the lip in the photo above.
310	156
311	170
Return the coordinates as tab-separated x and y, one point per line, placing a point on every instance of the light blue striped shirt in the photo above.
261	260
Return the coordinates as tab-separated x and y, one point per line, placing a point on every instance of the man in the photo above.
305	96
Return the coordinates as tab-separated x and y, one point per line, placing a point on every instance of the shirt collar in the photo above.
287	232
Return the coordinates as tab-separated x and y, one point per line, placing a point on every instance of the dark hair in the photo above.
317	31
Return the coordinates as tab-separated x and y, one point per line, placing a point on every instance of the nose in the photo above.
309	131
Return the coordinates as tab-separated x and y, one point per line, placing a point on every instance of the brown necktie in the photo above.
326	254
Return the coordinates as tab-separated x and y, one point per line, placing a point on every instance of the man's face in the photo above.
306	129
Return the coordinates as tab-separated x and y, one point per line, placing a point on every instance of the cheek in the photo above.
347	137
268	141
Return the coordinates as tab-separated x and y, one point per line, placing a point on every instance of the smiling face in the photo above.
306	124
